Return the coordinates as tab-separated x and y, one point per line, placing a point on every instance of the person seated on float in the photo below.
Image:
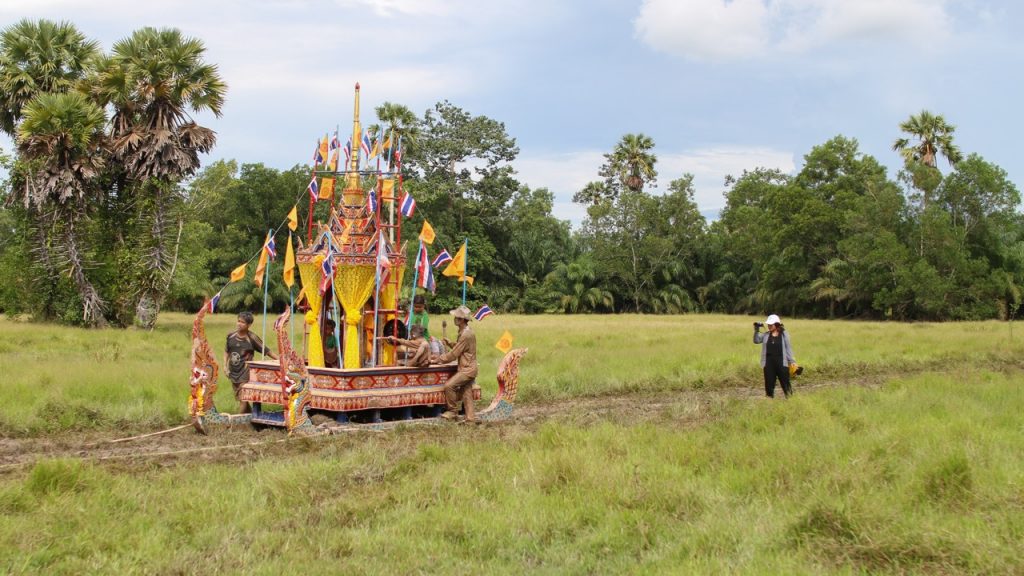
463	350
419	315
417	344
330	345
241	348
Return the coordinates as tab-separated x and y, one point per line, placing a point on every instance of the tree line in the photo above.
108	216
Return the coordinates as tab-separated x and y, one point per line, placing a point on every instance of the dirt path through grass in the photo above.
684	409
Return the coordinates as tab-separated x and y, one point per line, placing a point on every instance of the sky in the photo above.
720	86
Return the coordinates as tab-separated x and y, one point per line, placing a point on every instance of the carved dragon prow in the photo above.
508	384
294	379
203	381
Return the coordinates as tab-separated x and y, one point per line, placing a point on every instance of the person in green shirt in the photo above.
330	345
419	315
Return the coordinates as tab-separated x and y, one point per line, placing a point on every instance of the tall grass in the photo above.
921	476
57	379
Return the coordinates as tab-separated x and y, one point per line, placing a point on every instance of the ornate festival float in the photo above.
352	266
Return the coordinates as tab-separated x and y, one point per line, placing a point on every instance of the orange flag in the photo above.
505	342
289	264
293	219
427	233
238	273
388	189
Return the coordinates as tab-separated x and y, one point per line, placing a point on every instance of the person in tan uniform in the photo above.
460	385
418	344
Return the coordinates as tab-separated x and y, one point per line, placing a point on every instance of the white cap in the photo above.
773	319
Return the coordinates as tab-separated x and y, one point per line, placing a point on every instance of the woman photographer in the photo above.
776	355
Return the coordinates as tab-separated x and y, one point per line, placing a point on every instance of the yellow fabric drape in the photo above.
354	285
388	302
311	275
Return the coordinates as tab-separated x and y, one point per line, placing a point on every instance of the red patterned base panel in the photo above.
358	389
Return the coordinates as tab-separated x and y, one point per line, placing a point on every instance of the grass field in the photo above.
687	473
66	379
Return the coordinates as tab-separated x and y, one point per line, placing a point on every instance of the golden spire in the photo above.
353	193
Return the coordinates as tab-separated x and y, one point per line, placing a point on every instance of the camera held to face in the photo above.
758	325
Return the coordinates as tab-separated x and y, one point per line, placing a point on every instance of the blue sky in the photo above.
720	86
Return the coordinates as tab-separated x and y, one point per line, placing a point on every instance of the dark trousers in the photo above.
776	368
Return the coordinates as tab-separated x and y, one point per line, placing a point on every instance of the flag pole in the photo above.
376	296
465	269
266	286
334	304
415	281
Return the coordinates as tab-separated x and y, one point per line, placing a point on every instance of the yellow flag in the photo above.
505	342
289	264
466	279
323	148
326	188
293	218
262	264
375	150
238	273
457	267
427	233
388	189
334	161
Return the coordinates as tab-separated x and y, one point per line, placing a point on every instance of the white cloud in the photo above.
565	174
710	166
753	29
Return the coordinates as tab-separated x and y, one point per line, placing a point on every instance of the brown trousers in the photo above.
460	387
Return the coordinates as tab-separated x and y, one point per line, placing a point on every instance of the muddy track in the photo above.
684	409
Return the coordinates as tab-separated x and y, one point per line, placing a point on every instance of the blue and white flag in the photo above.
408	205
483	312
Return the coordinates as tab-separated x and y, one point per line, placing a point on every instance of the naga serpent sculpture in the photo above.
508	384
294	380
203	383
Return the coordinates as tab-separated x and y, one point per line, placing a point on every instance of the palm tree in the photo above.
933	135
399	123
830	286
575	282
632	162
60	140
153	79
37	57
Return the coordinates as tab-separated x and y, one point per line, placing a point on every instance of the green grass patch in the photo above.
922	476
59	379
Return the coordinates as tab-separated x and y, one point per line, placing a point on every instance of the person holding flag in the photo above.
460	385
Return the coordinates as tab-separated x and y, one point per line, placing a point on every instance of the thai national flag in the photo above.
327	269
318	158
313	189
214	301
348	151
371	200
408	205
271	248
425	271
334	141
365	144
443	258
483	312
